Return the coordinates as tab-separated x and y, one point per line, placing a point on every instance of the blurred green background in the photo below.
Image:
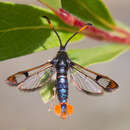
26	111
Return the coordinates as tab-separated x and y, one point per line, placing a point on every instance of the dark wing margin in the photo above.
102	81
32	79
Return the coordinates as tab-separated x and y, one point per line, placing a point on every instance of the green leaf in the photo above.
94	11
47	92
56	4
95	55
24	31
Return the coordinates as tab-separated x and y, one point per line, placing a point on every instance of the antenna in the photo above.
81	29
61	46
51	26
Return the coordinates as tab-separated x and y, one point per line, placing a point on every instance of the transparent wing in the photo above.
91	82
30	80
85	84
37	80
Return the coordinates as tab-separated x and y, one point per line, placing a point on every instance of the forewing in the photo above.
103	81
19	77
33	78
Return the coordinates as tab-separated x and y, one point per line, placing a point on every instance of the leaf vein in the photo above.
98	17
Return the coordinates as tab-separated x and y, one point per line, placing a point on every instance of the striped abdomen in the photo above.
62	86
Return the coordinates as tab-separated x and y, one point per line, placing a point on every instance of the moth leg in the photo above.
53	99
